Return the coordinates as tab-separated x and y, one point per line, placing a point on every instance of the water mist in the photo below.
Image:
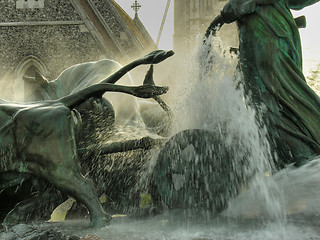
214	100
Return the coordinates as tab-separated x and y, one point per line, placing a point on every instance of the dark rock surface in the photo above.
32	232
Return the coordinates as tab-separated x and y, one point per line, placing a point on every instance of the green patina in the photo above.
271	63
38	140
270	60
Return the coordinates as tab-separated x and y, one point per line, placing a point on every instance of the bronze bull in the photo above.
38	139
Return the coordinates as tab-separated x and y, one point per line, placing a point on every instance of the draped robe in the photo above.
271	63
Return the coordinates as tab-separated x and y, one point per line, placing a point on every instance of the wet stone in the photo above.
28	232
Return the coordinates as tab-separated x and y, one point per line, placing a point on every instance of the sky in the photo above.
151	14
152	11
310	36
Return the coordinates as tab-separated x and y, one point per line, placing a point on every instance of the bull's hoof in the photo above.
100	222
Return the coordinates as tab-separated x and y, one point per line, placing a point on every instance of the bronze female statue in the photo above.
271	64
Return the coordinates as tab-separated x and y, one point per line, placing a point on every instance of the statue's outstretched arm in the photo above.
235	9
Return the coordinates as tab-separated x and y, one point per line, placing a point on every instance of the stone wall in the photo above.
192	17
56	46
54	35
54	10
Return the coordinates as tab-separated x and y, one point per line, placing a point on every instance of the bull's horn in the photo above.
145	91
151	58
148	79
156	57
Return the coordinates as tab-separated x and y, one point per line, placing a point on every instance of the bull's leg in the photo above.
82	189
51	154
69	180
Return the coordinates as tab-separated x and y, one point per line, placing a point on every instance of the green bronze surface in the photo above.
39	139
271	63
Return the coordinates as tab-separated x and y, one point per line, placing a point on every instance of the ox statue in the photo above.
38	139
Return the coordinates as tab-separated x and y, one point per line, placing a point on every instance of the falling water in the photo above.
216	101
271	205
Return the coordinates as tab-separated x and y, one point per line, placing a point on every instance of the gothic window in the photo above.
30	71
31	88
24	84
29	4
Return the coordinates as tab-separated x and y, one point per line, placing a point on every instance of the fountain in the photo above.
244	157
280	125
38	141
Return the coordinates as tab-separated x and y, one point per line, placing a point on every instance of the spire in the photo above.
136	6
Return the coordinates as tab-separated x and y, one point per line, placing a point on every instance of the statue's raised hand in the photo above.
156	57
148	91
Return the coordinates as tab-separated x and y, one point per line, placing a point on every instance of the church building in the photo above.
50	36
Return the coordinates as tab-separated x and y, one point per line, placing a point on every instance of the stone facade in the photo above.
58	34
53	10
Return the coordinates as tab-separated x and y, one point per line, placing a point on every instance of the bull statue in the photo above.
38	138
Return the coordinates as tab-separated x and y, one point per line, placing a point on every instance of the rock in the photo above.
29	232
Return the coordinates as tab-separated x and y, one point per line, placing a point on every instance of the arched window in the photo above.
24	72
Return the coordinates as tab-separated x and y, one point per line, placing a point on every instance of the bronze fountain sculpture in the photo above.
38	139
193	160
206	172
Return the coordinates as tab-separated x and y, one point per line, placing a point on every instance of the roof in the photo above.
136	27
114	28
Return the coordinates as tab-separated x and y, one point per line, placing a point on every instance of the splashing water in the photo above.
216	101
211	99
282	205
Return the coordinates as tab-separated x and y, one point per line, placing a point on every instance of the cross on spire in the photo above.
136	6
